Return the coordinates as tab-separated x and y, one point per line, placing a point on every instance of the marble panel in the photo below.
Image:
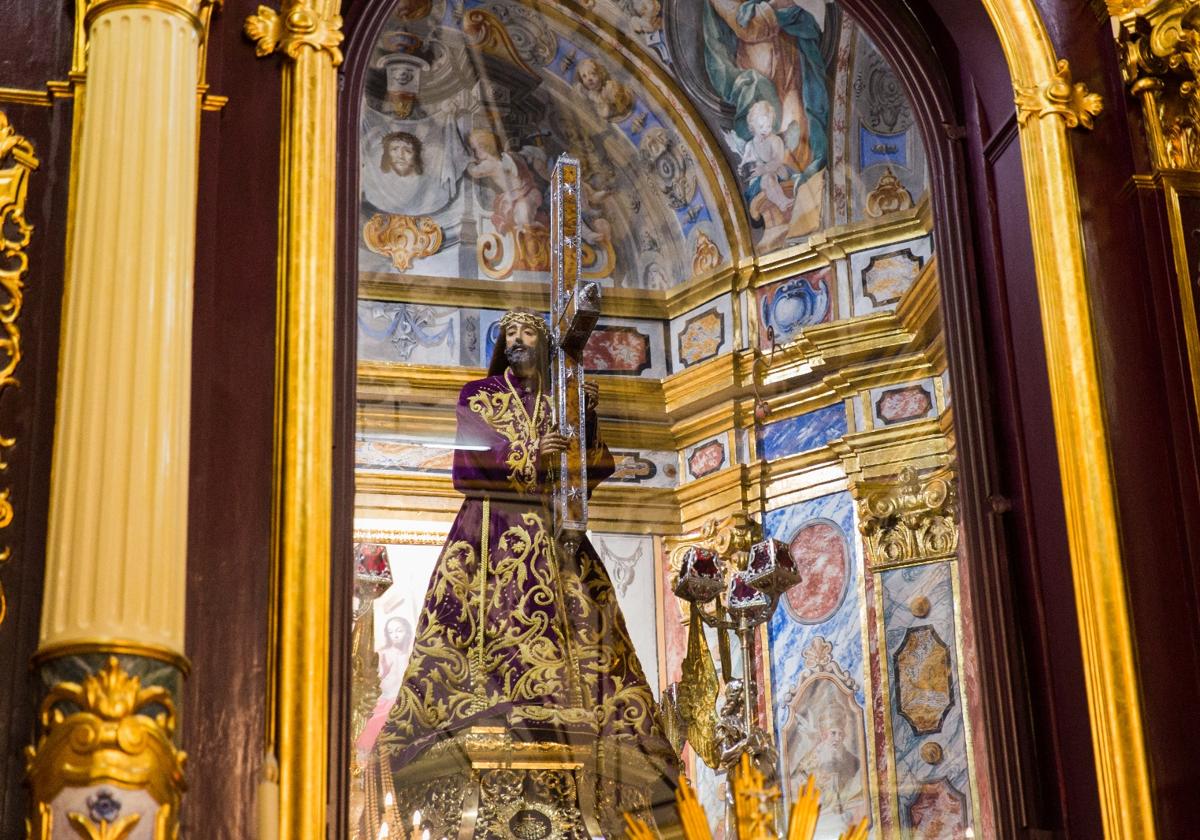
879	277
895	404
391	454
817	673
929	742
707	457
799	434
627	347
646	468
702	334
629	561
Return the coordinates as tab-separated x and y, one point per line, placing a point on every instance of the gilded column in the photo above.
293	795
111	649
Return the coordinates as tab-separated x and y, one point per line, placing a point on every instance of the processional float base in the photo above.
485	784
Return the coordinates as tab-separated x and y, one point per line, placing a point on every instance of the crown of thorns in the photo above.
526	319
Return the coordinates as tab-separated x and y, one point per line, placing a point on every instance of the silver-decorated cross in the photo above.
574	308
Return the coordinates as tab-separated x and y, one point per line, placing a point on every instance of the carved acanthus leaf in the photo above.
1061	97
913	519
1160	59
298	26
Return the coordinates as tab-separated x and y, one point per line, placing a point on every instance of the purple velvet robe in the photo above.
528	640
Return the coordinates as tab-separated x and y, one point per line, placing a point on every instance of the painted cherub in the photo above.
611	99
646	16
766	157
518	196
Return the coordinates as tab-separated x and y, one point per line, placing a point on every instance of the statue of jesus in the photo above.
512	633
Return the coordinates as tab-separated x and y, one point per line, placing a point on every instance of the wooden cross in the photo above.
574	308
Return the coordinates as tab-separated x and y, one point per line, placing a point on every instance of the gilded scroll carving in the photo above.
295	27
913	519
106	729
1059	96
1160	54
15	234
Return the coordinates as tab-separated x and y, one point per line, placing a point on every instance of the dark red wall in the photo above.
233	374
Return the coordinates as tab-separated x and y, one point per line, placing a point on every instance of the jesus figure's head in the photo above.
523	345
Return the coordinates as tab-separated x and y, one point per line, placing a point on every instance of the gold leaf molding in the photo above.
1061	97
15	234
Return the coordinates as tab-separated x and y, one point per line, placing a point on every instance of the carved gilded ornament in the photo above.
1160	54
117	733
1059	96
731	536
913	519
15	234
298	26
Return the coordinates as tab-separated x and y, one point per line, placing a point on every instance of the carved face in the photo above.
521	344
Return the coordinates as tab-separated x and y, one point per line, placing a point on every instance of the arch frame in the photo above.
1082	439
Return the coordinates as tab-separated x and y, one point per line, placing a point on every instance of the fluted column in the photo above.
111	646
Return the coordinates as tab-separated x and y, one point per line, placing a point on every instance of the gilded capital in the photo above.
1058	96
1160	58
189	10
911	519
296	26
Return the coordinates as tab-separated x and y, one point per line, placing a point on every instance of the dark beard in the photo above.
518	355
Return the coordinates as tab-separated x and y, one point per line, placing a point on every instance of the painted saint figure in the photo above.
511	633
770	50
393	656
764	58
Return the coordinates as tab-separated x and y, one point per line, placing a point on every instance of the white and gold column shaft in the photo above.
111	644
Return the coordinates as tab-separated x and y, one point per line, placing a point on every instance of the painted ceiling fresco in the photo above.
468	104
466	110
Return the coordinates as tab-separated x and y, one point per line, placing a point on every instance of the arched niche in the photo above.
916	63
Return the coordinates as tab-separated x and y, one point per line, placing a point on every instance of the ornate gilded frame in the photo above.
299	737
